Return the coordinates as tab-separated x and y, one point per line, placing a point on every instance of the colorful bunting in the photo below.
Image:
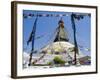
44	15
76	16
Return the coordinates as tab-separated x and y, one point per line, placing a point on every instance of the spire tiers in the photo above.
61	34
61	23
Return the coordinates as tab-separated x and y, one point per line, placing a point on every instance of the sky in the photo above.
46	27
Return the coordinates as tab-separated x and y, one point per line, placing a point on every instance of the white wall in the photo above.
5	43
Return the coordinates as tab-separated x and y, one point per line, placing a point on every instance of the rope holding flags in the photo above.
76	15
73	17
32	35
31	39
